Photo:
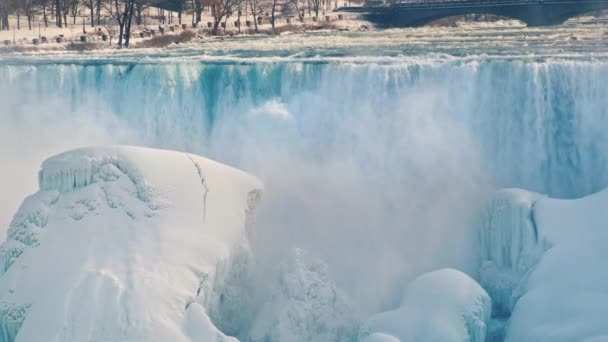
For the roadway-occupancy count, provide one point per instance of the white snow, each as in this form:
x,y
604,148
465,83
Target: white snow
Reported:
x,y
443,305
305,305
125,243
566,295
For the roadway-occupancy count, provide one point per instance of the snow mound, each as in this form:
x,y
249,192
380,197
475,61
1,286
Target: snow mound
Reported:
x,y
509,246
305,305
444,305
120,243
566,295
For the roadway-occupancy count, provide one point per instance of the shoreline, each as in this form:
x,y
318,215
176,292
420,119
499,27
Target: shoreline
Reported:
x,y
156,35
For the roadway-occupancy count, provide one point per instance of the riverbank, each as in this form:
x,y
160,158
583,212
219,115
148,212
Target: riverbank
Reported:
x,y
154,34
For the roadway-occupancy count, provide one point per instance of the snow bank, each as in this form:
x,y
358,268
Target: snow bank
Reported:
x,y
444,305
566,295
509,246
126,243
305,305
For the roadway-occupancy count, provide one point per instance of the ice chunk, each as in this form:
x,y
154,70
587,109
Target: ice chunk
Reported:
x,y
305,305
115,245
444,305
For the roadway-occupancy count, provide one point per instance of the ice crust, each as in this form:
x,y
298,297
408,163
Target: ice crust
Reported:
x,y
117,242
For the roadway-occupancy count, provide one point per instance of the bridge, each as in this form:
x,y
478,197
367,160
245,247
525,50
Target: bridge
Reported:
x,y
532,12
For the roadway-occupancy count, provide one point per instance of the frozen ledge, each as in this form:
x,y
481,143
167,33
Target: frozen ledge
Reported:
x,y
78,168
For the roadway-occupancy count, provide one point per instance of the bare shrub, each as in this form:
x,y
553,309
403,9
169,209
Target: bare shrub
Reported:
x,y
166,40
83,46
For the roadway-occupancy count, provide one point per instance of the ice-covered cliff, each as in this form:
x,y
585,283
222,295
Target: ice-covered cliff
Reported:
x,y
509,246
548,255
120,243
304,305
443,305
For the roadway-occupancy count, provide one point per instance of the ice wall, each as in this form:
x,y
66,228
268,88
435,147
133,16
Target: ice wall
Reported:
x,y
509,246
115,245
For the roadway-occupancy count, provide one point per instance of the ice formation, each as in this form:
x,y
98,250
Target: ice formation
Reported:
x,y
509,245
304,305
443,305
564,297
125,243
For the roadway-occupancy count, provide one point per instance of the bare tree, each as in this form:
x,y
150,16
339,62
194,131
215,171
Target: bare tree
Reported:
x,y
299,5
65,10
4,9
58,13
257,8
30,9
282,7
98,11
74,10
44,4
316,4
198,10
219,9
140,6
123,13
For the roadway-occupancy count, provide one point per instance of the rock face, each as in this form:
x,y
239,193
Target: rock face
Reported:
x,y
444,305
116,243
305,305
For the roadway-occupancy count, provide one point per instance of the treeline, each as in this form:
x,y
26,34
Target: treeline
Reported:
x,y
125,13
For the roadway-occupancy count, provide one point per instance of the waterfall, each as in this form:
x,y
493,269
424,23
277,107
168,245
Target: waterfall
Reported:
x,y
537,125
390,160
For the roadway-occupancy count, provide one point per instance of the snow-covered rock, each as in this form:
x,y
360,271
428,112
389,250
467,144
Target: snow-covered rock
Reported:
x,y
509,246
565,297
305,305
443,305
120,243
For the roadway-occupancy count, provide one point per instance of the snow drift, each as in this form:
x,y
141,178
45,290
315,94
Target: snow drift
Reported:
x,y
444,305
544,259
126,243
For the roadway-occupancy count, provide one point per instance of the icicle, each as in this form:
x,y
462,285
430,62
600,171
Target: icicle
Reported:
x,y
11,319
509,245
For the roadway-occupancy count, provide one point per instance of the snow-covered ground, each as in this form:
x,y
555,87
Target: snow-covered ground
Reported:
x,y
126,243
